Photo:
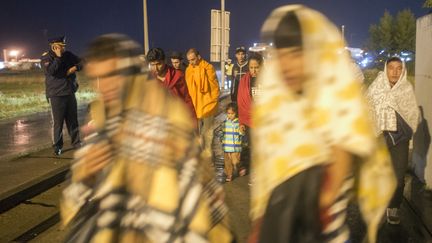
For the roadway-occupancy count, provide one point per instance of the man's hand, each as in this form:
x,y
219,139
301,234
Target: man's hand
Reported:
x,y
57,50
91,159
71,70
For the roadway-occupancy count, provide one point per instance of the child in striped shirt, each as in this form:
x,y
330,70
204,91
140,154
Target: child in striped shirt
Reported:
x,y
231,143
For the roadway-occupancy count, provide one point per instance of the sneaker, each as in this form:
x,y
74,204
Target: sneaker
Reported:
x,y
393,216
77,146
57,152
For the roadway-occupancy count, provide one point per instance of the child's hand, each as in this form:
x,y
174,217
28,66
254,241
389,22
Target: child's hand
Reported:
x,y
242,129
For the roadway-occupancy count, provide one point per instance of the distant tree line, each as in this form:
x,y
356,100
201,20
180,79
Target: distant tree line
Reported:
x,y
394,34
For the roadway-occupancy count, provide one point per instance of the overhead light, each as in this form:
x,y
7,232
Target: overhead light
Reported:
x,y
14,53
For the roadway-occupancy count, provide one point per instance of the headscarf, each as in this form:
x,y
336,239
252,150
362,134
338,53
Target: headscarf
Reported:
x,y
295,132
385,101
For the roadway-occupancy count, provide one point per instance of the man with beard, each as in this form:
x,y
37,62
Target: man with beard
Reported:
x,y
203,88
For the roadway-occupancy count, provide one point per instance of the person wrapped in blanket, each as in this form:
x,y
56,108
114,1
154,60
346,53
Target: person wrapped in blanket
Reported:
x,y
313,144
396,114
139,177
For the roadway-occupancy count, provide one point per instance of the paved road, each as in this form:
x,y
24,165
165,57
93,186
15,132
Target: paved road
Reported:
x,y
27,134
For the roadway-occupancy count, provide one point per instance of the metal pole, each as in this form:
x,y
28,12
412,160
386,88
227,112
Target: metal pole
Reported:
x,y
146,39
5,56
343,32
222,44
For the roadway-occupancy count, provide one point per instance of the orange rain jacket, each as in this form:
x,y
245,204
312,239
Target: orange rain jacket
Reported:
x,y
203,88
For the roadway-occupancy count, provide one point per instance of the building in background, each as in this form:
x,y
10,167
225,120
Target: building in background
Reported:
x,y
13,61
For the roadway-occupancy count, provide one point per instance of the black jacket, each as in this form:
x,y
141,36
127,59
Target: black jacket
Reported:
x,y
238,72
402,134
56,81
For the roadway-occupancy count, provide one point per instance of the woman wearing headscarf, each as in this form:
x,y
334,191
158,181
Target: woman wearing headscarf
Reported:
x,y
312,139
396,116
248,90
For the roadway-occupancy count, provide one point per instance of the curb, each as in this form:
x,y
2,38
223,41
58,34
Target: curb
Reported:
x,y
18,155
33,187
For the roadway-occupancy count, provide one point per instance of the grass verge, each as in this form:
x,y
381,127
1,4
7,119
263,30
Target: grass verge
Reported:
x,y
24,93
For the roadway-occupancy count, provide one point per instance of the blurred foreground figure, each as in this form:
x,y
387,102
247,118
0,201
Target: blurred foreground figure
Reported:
x,y
396,116
138,178
355,68
312,140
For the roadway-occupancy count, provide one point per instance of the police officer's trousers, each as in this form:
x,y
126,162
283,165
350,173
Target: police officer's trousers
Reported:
x,y
64,108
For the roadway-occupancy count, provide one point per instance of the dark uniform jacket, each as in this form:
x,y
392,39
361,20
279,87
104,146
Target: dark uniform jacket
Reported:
x,y
56,81
237,74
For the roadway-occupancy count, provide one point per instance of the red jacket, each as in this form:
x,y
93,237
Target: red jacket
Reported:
x,y
244,100
176,85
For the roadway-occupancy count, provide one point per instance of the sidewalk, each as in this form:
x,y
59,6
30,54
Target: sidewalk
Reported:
x,y
419,199
19,176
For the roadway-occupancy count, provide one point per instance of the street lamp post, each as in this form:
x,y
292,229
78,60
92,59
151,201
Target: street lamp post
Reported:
x,y
222,43
343,31
5,56
146,39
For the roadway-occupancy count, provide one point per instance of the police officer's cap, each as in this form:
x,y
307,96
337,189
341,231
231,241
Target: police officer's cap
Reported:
x,y
58,40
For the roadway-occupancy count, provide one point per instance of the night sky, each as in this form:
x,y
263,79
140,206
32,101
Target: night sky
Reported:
x,y
173,24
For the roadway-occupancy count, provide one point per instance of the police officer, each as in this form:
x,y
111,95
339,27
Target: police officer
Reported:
x,y
60,68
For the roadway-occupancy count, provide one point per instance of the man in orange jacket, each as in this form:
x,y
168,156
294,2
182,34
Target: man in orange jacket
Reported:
x,y
203,88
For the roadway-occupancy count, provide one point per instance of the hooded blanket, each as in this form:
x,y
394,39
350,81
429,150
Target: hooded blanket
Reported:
x,y
294,132
385,101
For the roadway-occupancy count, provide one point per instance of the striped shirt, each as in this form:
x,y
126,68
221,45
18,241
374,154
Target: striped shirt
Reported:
x,y
232,136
